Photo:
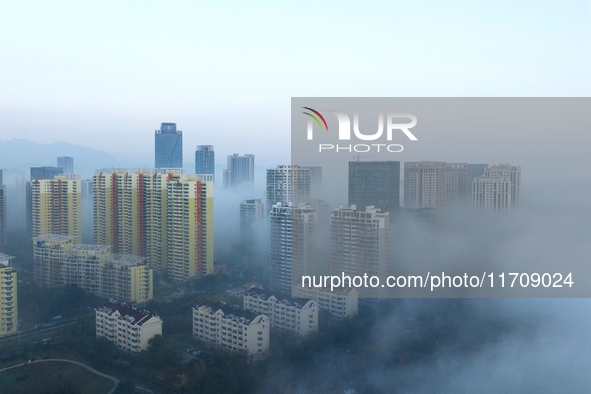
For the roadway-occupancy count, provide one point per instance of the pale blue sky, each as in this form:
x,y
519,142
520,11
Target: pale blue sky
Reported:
x,y
104,74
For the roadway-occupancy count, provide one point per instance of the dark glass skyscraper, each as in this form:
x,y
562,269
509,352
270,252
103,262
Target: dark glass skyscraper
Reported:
x,y
205,160
375,183
168,146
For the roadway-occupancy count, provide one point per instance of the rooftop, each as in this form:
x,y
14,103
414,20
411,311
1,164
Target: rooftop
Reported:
x,y
228,311
135,316
264,294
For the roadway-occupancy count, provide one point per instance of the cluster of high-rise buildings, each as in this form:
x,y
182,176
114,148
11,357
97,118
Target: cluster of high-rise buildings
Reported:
x,y
162,214
359,232
160,221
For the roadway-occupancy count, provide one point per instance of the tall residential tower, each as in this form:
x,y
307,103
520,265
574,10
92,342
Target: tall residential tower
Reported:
x,y
56,206
240,171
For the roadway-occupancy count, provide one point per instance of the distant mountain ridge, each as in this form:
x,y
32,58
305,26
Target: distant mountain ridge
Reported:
x,y
21,154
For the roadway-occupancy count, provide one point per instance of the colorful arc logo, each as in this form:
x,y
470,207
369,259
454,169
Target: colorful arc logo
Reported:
x,y
315,118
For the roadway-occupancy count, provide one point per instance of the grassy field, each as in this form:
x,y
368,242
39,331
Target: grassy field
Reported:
x,y
52,377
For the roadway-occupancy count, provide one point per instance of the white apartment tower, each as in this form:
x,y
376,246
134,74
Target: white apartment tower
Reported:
x,y
251,213
288,184
359,245
512,173
293,235
498,189
433,184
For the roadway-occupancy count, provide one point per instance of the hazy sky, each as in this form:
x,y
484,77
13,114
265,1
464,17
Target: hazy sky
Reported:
x,y
104,74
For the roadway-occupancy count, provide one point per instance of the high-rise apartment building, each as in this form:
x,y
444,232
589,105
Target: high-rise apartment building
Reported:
x,y
190,227
240,171
315,180
168,146
8,296
491,193
498,189
251,213
359,246
164,215
424,184
231,329
473,171
56,206
293,236
37,173
2,216
433,184
58,261
375,183
287,184
512,173
455,182
66,163
129,328
205,160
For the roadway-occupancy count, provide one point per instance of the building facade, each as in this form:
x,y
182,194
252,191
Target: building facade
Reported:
x,y
164,215
57,206
251,213
298,316
434,184
375,183
287,184
512,173
2,216
293,237
342,303
129,328
240,171
473,171
58,261
168,146
8,296
231,329
66,163
37,173
359,246
498,189
205,160
491,194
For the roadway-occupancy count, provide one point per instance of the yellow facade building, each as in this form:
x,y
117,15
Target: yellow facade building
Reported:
x,y
58,261
56,206
8,296
162,214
